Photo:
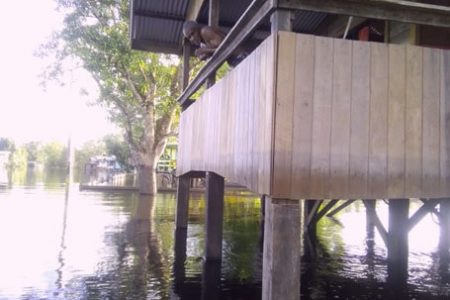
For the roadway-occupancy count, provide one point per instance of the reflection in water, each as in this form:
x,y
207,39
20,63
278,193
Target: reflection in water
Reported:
x,y
87,245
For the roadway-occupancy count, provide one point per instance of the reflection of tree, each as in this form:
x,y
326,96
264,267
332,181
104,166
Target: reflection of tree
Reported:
x,y
241,232
137,271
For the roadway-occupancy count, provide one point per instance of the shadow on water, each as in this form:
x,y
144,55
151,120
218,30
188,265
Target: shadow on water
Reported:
x,y
89,245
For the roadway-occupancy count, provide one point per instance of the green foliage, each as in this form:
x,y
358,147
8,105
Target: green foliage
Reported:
x,y
115,145
18,159
134,85
137,88
54,156
33,151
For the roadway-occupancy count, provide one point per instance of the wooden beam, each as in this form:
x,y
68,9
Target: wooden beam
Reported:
x,y
194,9
421,212
159,15
324,210
213,13
340,207
281,20
197,174
313,212
213,21
394,10
255,13
186,66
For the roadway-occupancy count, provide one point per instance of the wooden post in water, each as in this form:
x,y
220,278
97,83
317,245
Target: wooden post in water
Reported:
x,y
214,216
398,241
211,280
444,238
309,231
179,270
370,230
181,218
261,222
370,218
281,262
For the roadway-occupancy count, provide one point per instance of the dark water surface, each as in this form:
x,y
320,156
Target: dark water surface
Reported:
x,y
59,244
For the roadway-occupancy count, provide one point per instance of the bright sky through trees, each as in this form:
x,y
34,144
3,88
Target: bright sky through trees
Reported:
x,y
27,112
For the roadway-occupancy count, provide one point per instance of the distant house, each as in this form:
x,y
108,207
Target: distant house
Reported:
x,y
4,159
101,168
167,161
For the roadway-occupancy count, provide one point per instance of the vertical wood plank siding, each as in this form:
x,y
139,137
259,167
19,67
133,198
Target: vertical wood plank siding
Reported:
x,y
314,117
229,129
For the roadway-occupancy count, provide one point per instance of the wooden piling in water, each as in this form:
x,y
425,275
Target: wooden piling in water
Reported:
x,y
398,241
214,216
182,212
281,263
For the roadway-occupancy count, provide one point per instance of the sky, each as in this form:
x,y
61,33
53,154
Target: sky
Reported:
x,y
27,112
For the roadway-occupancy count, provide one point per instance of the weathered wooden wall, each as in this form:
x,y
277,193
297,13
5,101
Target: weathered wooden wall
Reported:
x,y
328,118
361,120
229,129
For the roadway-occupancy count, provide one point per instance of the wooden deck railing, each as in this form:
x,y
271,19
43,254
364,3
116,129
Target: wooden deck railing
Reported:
x,y
258,10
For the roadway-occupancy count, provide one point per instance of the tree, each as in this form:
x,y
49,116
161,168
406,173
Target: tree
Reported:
x,y
54,156
137,88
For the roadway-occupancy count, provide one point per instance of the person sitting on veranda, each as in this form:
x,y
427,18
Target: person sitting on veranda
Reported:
x,y
208,39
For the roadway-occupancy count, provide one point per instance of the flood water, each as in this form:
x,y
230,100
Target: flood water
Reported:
x,y
59,243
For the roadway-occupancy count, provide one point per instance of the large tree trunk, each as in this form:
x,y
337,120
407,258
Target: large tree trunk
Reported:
x,y
147,179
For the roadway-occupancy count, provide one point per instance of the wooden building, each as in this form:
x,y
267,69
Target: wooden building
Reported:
x,y
338,99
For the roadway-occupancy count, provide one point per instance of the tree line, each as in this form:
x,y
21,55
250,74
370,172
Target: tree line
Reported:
x,y
54,155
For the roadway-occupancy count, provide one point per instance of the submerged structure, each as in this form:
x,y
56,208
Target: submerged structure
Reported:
x,y
325,106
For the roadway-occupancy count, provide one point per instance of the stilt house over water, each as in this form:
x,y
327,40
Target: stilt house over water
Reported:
x,y
337,99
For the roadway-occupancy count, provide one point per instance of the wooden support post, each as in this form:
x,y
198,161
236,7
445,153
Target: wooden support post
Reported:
x,y
214,216
211,280
309,229
181,218
179,270
186,66
261,222
312,206
281,20
398,241
370,229
444,238
281,262
213,21
370,218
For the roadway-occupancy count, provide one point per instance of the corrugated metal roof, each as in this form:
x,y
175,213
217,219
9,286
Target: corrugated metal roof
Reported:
x,y
156,25
175,8
230,11
307,21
